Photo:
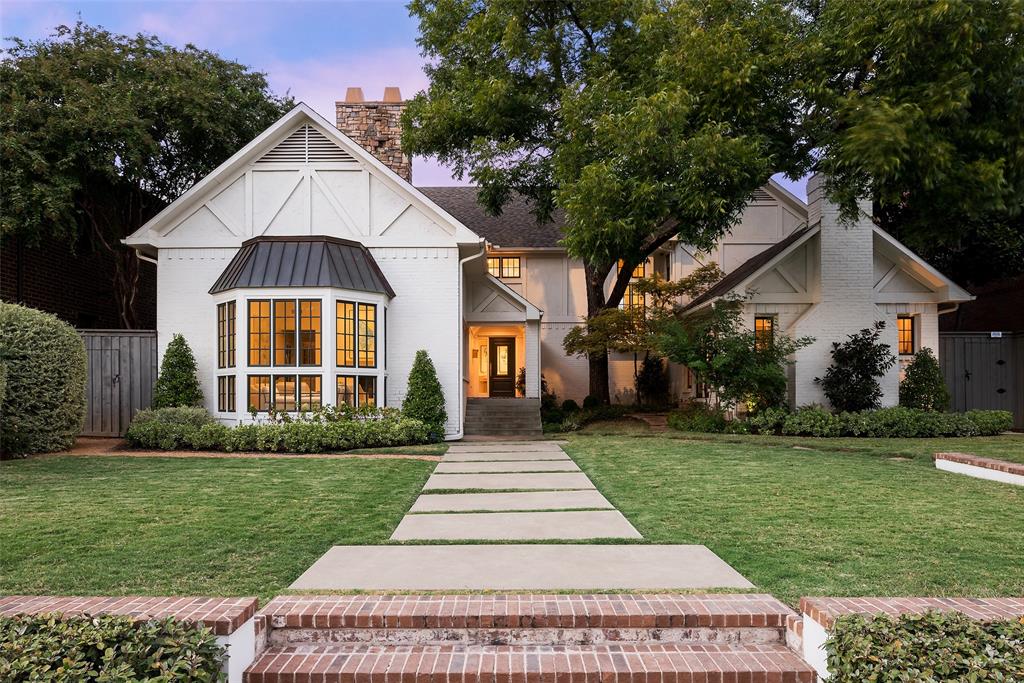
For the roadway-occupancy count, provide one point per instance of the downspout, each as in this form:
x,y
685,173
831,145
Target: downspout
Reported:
x,y
147,259
462,336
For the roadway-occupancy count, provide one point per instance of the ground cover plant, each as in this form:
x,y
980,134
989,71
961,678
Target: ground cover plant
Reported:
x,y
830,517
76,649
107,525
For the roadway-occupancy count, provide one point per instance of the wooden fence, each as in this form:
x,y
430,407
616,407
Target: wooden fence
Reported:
x,y
122,369
984,372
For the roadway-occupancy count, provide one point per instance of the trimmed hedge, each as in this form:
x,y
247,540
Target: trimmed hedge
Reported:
x,y
177,385
53,647
43,405
172,429
934,646
424,398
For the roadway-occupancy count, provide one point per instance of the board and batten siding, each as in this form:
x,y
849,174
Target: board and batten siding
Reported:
x,y
122,368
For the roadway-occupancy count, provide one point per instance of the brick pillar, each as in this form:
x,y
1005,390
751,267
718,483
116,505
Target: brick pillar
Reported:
x,y
376,126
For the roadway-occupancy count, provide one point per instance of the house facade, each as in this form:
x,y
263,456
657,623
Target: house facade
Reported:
x,y
308,269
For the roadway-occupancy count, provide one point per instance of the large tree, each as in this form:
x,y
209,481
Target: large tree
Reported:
x,y
920,106
99,131
643,120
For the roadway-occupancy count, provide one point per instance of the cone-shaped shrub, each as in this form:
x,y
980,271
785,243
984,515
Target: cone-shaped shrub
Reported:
x,y
177,385
424,399
43,398
923,385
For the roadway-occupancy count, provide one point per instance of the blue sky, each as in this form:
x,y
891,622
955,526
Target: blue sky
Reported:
x,y
314,49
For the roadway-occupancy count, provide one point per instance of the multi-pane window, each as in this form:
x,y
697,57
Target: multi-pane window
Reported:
x,y
259,393
259,332
503,266
346,391
367,391
764,332
226,335
309,392
367,337
905,335
309,332
226,394
346,333
284,332
284,393
632,298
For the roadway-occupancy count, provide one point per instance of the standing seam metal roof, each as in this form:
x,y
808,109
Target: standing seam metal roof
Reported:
x,y
303,262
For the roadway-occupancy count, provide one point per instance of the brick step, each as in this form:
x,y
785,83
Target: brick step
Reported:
x,y
623,663
524,619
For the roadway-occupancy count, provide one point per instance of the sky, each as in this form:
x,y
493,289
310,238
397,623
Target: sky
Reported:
x,y
312,49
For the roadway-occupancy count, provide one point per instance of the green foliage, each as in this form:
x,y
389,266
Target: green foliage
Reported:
x,y
100,131
576,421
570,406
177,385
768,421
591,401
916,105
934,646
923,385
990,422
190,429
424,399
70,649
811,421
652,382
698,417
850,383
721,351
43,403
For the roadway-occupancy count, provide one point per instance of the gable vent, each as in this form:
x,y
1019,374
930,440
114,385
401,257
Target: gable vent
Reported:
x,y
305,145
761,195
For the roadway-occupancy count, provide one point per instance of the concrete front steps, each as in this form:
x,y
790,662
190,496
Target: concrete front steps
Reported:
x,y
526,638
511,417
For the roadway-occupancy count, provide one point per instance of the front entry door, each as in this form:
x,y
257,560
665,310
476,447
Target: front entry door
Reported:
x,y
502,373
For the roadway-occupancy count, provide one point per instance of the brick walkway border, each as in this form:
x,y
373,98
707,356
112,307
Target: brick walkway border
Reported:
x,y
978,461
825,610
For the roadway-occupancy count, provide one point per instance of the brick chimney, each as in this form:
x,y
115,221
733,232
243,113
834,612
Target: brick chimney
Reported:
x,y
376,126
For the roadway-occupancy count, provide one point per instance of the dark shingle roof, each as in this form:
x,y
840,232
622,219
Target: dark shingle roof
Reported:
x,y
303,262
515,227
736,277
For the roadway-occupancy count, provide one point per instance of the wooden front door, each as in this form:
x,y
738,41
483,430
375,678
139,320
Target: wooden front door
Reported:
x,y
502,375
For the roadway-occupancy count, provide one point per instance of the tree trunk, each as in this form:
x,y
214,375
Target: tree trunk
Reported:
x,y
598,362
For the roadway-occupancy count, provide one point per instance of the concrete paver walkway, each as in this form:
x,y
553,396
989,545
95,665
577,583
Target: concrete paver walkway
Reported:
x,y
518,500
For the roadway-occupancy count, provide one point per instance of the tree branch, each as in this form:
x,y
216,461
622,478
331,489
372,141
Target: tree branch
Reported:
x,y
666,231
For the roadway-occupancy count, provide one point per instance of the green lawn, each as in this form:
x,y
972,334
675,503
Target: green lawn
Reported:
x,y
245,526
848,517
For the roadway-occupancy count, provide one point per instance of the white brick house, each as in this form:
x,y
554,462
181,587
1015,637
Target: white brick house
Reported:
x,y
305,270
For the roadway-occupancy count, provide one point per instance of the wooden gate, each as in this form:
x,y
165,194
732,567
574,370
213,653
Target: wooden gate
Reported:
x,y
122,369
984,372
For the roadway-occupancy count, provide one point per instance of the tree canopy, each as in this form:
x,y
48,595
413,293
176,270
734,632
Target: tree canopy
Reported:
x,y
100,131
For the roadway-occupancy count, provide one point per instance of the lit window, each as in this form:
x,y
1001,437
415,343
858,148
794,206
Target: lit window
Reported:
x,y
764,332
367,335
284,393
309,392
905,335
346,390
367,391
259,393
309,332
226,394
259,332
284,332
226,335
504,267
631,298
346,342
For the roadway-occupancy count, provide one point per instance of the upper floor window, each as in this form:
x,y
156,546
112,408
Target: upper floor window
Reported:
x,y
764,332
905,335
259,332
503,266
356,335
226,335
631,298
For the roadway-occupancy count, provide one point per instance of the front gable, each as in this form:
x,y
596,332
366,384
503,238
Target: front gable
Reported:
x,y
302,177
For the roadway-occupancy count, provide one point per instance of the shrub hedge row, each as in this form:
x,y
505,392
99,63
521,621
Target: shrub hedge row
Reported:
x,y
73,649
193,429
934,646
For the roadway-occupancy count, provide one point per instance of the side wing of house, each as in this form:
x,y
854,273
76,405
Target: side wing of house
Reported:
x,y
355,334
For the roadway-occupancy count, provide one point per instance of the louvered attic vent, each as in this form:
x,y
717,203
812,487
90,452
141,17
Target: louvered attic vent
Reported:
x,y
305,145
761,195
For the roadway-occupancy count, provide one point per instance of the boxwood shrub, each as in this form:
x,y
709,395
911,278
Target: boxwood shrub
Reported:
x,y
43,404
934,646
72,649
895,422
193,429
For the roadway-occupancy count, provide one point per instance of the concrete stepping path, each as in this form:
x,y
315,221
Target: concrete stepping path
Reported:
x,y
505,447
506,467
510,481
515,526
504,456
519,567
526,500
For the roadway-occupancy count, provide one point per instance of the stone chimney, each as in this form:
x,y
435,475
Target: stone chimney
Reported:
x,y
376,126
